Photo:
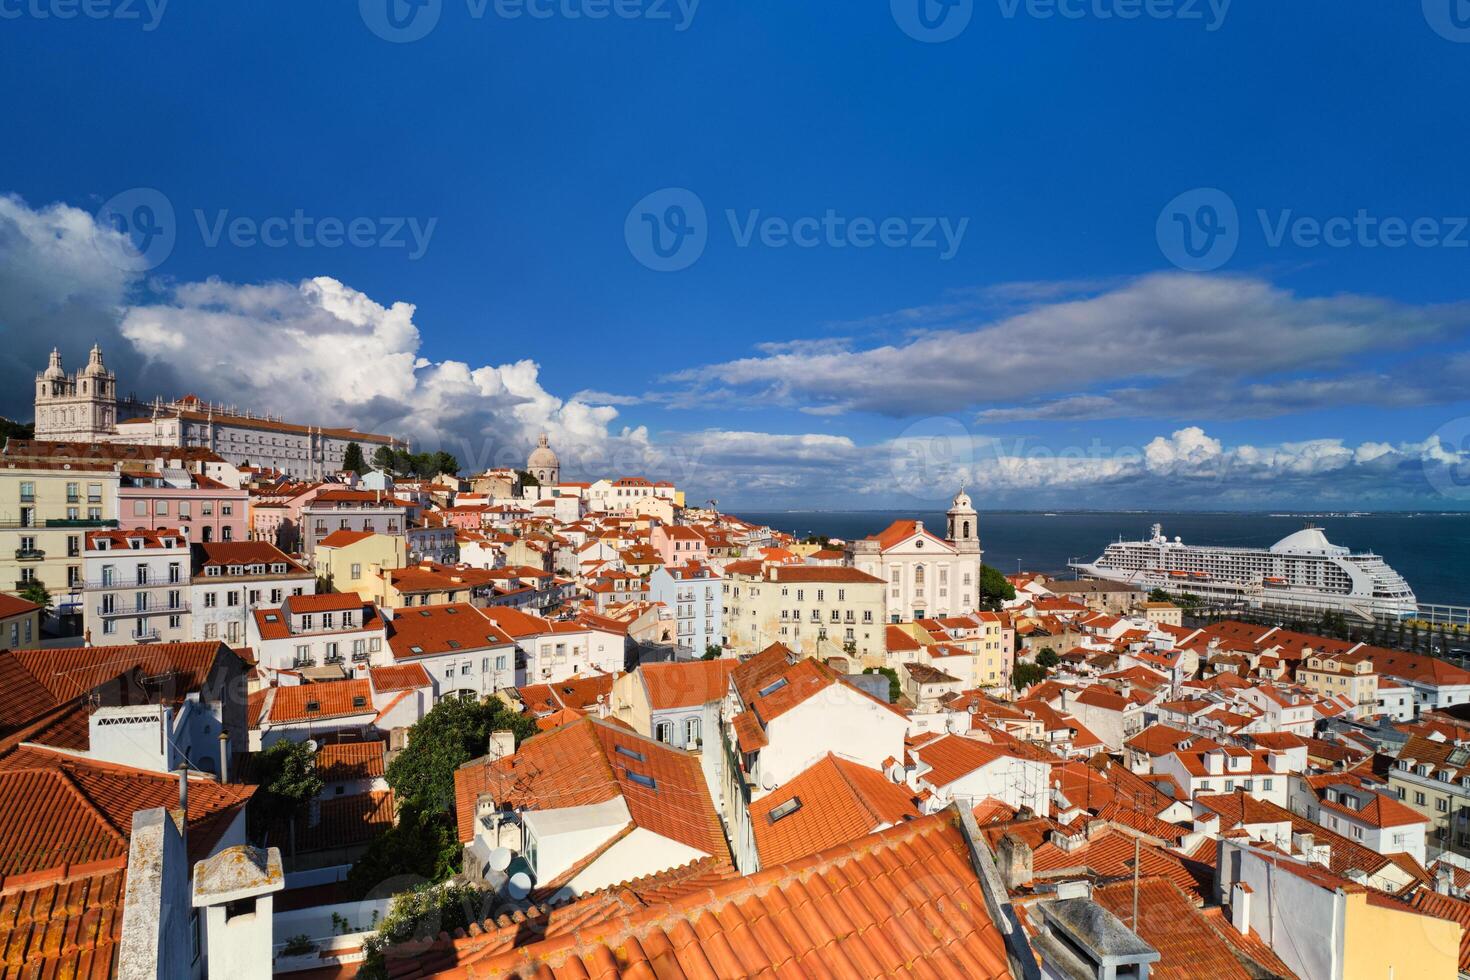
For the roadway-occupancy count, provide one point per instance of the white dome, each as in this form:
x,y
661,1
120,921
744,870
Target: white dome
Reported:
x,y
962,502
542,457
1307,541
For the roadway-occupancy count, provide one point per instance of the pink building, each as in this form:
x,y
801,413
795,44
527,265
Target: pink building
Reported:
x,y
678,545
202,508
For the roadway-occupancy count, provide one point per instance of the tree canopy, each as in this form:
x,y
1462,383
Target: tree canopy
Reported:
x,y
288,779
404,463
454,732
995,588
352,460
36,592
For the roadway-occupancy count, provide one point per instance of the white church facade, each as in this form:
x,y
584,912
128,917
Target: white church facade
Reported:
x,y
84,407
926,576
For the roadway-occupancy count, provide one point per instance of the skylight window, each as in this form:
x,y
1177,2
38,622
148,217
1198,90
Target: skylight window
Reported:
x,y
313,706
453,644
647,782
635,756
786,809
772,688
415,649
359,701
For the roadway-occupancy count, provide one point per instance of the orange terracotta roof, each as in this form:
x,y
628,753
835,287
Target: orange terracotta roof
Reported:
x,y
330,699
880,906
324,602
1171,923
834,801
344,538
422,631
399,677
685,684
954,756
11,605
58,811
65,929
346,761
592,761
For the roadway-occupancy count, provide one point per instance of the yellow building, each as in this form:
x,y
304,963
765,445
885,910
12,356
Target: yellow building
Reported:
x,y
815,610
1342,673
20,624
350,560
46,510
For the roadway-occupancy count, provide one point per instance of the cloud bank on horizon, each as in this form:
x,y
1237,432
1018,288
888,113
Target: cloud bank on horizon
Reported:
x,y
1178,350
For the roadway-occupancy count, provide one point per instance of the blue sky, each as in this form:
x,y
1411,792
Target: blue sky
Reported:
x,y
1057,357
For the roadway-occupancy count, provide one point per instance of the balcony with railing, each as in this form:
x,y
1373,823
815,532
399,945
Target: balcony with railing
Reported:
x,y
148,635
29,554
56,522
120,609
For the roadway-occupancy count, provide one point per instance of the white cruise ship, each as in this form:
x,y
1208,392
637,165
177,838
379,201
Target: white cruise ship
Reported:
x,y
1303,571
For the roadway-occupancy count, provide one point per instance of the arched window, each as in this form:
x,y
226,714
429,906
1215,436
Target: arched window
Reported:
x,y
966,533
918,574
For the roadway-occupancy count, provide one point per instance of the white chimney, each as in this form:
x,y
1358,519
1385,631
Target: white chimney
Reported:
x,y
1240,907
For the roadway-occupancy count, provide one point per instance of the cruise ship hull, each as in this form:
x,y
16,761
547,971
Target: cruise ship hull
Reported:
x,y
1303,572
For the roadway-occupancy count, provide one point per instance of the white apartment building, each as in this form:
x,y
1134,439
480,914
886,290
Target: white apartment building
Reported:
x,y
692,593
816,610
331,632
231,579
137,586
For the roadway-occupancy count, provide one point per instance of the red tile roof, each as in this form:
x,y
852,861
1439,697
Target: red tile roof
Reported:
x,y
837,800
423,631
58,811
686,684
329,699
350,761
65,929
344,538
905,902
15,606
954,756
400,677
1170,922
593,761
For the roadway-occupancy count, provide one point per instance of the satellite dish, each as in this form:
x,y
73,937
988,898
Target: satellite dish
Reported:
x,y
896,772
519,886
311,745
500,858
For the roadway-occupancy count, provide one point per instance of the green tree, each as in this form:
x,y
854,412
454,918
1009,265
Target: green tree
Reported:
x,y
1159,595
421,915
1048,658
527,480
994,588
454,732
420,845
713,651
36,592
1024,675
288,780
16,430
382,458
352,460
895,689
445,463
